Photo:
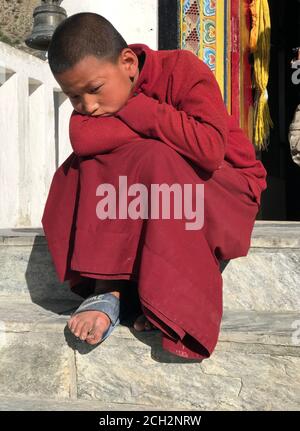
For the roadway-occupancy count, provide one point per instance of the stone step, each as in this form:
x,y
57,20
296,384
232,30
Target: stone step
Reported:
x,y
27,271
255,366
38,404
267,279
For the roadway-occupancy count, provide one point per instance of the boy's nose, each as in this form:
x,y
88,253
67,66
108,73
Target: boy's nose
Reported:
x,y
89,105
90,109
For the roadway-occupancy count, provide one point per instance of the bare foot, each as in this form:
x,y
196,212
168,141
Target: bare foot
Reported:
x,y
143,324
90,326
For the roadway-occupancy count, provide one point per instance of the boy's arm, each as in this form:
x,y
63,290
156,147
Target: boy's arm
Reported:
x,y
95,135
197,127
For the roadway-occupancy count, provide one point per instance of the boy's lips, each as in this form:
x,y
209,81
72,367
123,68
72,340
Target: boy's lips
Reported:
x,y
101,115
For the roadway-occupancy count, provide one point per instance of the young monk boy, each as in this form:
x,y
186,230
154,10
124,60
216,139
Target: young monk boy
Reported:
x,y
144,119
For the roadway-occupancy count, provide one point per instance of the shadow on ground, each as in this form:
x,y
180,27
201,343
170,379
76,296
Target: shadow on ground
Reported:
x,y
42,282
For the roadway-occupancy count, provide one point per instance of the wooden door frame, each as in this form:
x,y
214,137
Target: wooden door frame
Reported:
x,y
168,24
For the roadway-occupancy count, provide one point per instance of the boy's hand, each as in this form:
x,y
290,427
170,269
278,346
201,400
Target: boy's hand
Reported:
x,y
138,111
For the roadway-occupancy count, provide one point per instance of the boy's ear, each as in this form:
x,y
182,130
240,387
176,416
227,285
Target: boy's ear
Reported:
x,y
129,60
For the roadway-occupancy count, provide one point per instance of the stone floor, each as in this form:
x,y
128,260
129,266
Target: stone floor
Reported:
x,y
255,366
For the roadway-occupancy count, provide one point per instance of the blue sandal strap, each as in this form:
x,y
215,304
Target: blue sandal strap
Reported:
x,y
109,330
106,303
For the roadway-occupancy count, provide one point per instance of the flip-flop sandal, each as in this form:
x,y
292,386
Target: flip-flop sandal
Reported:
x,y
106,303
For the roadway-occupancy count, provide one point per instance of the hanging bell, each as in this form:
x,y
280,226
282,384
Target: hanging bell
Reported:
x,y
46,19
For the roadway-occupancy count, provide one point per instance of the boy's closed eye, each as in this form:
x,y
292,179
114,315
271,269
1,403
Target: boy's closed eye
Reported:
x,y
92,91
95,89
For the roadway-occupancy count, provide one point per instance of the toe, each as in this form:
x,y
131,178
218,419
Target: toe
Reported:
x,y
84,331
99,328
72,324
139,324
142,324
77,327
148,325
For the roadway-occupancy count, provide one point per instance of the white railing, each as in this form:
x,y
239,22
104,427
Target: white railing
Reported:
x,y
34,114
34,137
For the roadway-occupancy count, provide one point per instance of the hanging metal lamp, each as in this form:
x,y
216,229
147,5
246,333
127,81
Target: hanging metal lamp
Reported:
x,y
46,19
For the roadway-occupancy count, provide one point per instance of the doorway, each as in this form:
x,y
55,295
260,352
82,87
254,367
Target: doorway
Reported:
x,y
281,200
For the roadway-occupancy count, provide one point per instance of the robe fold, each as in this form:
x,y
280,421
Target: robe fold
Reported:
x,y
174,129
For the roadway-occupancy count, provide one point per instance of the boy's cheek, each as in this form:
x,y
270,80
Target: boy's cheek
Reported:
x,y
120,107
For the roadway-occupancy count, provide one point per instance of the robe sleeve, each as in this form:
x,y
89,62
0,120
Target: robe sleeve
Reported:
x,y
195,124
93,135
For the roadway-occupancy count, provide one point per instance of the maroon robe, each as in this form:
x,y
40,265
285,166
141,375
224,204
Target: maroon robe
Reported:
x,y
174,129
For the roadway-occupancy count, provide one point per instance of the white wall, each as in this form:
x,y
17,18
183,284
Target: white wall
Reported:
x,y
27,137
136,20
34,113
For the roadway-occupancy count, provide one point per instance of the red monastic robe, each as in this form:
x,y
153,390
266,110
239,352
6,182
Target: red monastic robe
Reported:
x,y
174,129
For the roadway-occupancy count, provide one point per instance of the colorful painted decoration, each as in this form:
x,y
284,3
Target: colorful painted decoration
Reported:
x,y
218,33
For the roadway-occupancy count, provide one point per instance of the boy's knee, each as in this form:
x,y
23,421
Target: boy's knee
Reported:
x,y
157,157
158,152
